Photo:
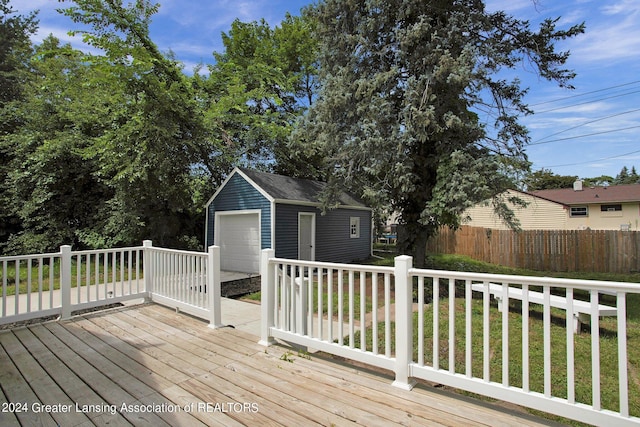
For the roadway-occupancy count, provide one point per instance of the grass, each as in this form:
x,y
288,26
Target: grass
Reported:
x,y
31,275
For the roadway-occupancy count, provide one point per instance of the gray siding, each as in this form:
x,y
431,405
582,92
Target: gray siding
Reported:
x,y
238,194
333,243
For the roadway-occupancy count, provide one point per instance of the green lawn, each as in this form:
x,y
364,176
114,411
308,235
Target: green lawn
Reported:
x,y
29,276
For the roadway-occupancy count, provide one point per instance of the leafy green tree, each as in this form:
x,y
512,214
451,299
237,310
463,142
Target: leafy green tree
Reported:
x,y
403,85
15,54
52,186
155,134
545,179
253,94
599,180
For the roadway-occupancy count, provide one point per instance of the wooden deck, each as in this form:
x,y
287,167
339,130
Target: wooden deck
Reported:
x,y
147,365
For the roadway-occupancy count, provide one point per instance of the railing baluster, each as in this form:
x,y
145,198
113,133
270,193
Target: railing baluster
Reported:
x,y
468,301
320,304
374,312
436,323
387,314
4,288
363,311
486,350
40,283
595,351
525,337
341,306
452,326
105,273
308,286
88,277
421,334
351,310
571,387
623,380
17,286
52,261
28,264
547,340
505,335
330,305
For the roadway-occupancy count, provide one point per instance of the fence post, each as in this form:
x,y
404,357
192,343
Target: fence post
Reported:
x,y
267,290
213,287
147,268
65,281
404,321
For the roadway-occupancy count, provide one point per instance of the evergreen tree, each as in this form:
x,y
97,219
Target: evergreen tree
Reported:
x,y
402,85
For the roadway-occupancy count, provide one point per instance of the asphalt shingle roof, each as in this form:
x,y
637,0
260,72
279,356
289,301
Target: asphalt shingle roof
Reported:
x,y
610,194
282,187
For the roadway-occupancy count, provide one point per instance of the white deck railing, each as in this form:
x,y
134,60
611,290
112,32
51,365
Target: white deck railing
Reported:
x,y
188,281
57,284
363,312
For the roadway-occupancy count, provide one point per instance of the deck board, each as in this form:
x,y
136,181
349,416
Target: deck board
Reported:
x,y
149,354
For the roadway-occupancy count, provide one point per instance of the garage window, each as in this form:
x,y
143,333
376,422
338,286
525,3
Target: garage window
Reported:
x,y
354,227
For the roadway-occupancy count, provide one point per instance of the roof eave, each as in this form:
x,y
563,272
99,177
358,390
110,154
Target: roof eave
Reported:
x,y
318,205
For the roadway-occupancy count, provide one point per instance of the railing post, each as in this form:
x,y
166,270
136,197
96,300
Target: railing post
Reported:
x,y
404,321
267,290
65,281
147,268
213,287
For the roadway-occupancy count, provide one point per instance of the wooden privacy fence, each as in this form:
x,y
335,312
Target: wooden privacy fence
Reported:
x,y
602,251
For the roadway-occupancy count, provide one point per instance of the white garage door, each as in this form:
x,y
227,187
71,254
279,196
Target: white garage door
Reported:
x,y
238,236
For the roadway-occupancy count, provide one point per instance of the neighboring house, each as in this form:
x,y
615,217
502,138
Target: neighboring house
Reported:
x,y
256,210
540,214
615,207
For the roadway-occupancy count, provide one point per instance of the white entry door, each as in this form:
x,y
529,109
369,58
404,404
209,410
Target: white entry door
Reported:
x,y
306,236
238,236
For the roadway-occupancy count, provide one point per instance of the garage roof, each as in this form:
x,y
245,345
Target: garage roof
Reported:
x,y
286,189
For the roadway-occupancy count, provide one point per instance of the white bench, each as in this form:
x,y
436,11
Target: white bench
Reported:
x,y
581,309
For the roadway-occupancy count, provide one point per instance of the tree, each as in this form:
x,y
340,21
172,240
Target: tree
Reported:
x,y
403,86
254,93
626,177
545,179
52,189
155,134
15,53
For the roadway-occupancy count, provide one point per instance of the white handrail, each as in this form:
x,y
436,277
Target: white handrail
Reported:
x,y
181,279
291,289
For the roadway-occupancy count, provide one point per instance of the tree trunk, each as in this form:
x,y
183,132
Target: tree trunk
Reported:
x,y
412,240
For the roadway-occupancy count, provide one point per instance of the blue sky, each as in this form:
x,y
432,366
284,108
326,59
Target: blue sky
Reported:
x,y
588,132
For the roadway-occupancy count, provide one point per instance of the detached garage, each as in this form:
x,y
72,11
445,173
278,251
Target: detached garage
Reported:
x,y
255,210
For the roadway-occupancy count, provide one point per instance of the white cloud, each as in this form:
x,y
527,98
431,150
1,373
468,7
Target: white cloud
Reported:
x,y
612,34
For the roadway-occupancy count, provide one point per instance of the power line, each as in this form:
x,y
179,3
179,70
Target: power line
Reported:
x,y
585,135
584,94
593,160
542,140
587,102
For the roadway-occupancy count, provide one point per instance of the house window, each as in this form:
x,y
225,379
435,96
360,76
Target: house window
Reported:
x,y
354,227
610,208
578,211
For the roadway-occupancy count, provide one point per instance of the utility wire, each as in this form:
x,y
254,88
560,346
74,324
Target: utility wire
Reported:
x,y
542,140
593,160
586,93
587,102
585,135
